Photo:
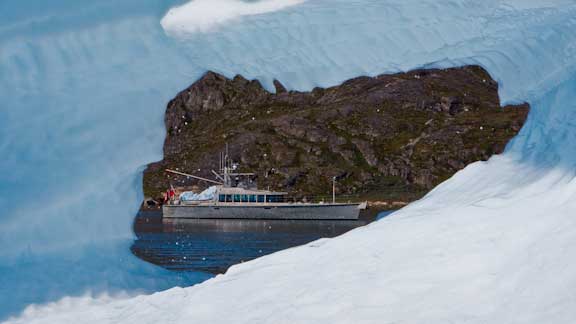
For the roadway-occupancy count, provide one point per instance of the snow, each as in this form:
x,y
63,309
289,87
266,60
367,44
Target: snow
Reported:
x,y
207,194
83,98
207,15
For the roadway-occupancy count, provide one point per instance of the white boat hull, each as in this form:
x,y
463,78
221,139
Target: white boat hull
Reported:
x,y
283,211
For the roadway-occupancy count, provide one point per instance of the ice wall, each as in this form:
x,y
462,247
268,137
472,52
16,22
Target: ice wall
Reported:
x,y
83,88
82,104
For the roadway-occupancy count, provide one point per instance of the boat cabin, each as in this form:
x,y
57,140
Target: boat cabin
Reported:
x,y
241,195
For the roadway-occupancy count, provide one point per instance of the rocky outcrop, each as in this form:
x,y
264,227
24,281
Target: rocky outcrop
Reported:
x,y
391,136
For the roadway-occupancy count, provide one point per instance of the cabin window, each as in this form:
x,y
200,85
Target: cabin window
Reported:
x,y
222,198
252,198
228,198
260,198
236,198
274,198
244,198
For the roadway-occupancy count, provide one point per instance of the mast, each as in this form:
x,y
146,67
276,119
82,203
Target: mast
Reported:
x,y
227,170
227,182
333,190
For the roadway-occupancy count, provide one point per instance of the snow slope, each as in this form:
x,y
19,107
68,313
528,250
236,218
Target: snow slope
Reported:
x,y
492,244
207,15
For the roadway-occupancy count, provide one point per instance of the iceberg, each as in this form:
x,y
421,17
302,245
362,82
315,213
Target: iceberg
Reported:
x,y
81,113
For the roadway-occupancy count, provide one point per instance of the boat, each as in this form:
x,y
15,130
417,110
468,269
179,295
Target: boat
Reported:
x,y
230,198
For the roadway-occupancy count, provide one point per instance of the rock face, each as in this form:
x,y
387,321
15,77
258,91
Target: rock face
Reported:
x,y
387,137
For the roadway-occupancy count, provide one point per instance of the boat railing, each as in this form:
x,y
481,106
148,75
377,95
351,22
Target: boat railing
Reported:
x,y
323,199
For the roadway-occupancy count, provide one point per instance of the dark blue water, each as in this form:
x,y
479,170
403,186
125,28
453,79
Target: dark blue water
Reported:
x,y
214,245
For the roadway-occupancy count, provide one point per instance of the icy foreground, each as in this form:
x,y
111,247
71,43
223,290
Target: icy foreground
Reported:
x,y
495,244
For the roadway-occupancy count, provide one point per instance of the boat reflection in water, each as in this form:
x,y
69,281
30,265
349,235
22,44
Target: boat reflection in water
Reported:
x,y
213,245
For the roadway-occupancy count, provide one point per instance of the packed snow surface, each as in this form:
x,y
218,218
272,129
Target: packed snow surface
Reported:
x,y
206,15
84,90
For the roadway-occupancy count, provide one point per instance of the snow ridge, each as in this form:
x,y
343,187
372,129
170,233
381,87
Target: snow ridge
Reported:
x,y
206,15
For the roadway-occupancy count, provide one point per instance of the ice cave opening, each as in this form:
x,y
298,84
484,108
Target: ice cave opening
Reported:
x,y
84,90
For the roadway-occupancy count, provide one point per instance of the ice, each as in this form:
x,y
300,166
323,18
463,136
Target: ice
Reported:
x,y
83,94
206,15
81,113
207,194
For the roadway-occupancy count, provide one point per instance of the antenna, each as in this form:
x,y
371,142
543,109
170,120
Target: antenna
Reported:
x,y
227,182
333,190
